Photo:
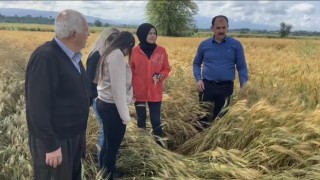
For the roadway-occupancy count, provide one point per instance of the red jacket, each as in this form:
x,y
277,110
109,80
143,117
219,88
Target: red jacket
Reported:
x,y
143,70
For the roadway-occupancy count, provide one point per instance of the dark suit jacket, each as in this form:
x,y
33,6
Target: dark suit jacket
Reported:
x,y
57,96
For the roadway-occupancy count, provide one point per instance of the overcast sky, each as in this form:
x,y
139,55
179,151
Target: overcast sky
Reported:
x,y
303,15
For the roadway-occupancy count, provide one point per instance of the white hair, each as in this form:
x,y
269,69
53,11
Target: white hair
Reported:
x,y
67,22
105,37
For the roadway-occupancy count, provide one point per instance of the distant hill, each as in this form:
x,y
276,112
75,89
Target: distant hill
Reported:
x,y
48,14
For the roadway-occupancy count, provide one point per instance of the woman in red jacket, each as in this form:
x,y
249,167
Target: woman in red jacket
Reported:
x,y
150,67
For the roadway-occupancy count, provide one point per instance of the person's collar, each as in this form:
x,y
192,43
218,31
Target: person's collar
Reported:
x,y
67,50
224,40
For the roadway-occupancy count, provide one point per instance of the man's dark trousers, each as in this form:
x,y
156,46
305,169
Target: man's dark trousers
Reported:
x,y
72,149
218,92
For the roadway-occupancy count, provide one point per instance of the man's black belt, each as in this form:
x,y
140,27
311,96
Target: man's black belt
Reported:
x,y
219,83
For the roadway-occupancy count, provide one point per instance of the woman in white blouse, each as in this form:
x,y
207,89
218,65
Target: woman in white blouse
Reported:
x,y
114,94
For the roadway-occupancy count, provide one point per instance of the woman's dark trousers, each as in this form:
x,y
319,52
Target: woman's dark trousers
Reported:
x,y
154,111
114,131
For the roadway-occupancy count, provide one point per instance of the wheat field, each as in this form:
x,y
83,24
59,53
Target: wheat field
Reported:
x,y
273,134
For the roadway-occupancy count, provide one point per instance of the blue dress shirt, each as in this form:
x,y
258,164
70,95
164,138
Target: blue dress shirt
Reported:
x,y
74,57
219,61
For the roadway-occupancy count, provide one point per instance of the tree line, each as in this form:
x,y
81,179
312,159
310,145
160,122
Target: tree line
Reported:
x,y
26,19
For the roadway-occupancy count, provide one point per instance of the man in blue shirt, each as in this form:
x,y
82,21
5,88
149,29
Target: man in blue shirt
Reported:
x,y
214,67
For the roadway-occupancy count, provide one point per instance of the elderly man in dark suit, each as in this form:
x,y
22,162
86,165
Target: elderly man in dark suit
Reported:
x,y
57,100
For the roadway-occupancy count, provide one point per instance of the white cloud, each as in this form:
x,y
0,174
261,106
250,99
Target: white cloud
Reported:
x,y
302,8
263,2
275,10
266,12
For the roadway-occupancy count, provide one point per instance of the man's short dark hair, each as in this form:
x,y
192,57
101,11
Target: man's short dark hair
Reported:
x,y
219,16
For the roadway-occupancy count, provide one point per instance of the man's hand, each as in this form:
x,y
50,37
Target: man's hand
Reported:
x,y
200,86
243,93
54,158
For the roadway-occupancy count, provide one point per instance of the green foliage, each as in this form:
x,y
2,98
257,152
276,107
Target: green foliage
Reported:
x,y
98,23
106,24
244,31
172,18
285,29
26,19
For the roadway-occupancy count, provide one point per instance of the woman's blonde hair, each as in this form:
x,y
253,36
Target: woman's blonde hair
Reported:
x,y
106,37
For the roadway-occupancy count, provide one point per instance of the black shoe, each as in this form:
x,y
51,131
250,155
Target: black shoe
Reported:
x,y
118,174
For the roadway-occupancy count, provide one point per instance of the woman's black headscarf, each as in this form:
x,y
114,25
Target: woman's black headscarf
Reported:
x,y
142,33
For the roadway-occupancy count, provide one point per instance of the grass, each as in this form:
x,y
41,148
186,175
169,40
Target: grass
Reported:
x,y
274,134
44,27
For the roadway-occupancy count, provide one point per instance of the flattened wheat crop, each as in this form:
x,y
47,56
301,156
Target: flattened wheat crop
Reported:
x,y
274,134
